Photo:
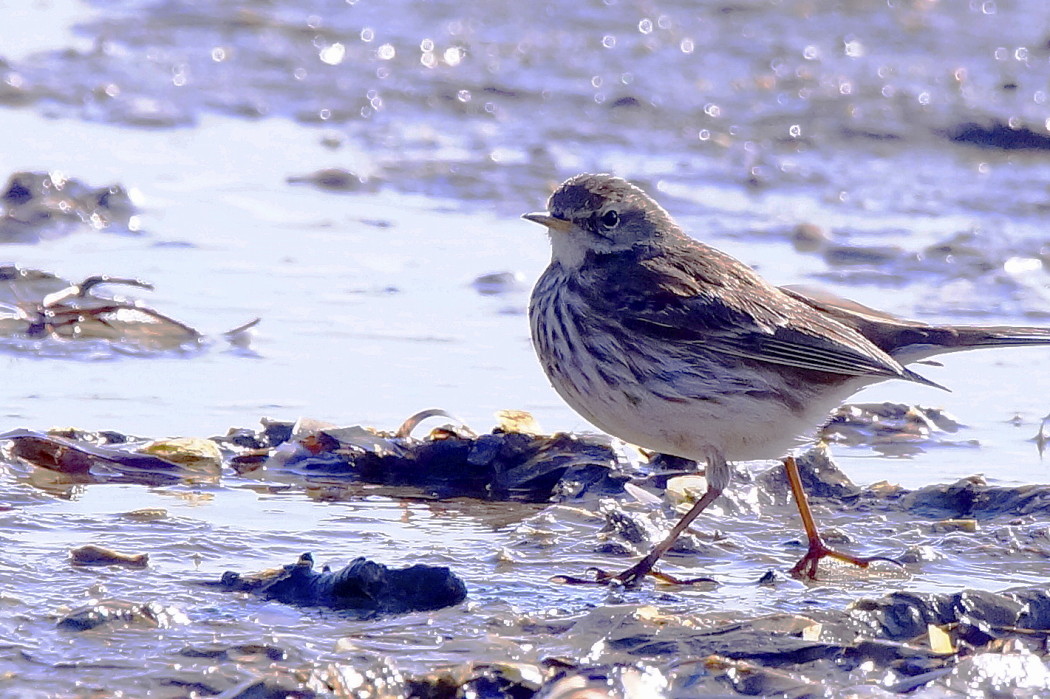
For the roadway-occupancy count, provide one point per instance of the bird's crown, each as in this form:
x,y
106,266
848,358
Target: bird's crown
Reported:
x,y
583,195
611,209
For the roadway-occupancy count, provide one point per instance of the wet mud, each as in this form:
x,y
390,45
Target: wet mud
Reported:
x,y
668,640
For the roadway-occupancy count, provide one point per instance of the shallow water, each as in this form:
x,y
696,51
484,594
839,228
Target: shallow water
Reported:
x,y
744,121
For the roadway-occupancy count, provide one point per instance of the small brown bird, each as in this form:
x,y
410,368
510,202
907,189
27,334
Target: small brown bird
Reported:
x,y
669,344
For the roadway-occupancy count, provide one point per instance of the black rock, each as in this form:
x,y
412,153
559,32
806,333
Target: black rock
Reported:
x,y
999,135
364,587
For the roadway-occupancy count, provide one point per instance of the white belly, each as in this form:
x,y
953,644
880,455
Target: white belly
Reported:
x,y
738,427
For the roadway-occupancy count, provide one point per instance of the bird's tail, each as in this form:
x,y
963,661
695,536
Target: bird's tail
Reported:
x,y
911,341
917,343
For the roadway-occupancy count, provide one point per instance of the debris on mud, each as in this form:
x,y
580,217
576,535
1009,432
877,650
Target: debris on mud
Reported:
x,y
507,463
79,457
449,461
892,428
108,613
104,457
43,314
37,206
515,461
363,587
92,555
334,179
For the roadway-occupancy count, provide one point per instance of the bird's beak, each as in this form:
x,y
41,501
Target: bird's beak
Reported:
x,y
545,219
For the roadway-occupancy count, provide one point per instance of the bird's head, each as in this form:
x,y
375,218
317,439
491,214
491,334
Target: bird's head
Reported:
x,y
600,214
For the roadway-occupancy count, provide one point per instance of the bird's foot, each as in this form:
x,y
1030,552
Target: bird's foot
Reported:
x,y
628,578
807,567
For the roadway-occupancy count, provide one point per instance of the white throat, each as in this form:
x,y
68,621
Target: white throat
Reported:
x,y
566,249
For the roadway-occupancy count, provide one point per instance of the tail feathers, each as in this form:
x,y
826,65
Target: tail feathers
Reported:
x,y
911,341
1004,336
919,342
919,378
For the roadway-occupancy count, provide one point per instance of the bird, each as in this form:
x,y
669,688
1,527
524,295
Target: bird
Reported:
x,y
669,344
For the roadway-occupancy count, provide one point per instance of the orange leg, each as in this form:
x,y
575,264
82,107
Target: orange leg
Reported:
x,y
718,474
807,567
633,575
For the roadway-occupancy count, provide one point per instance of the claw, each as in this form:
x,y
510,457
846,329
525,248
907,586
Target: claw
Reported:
x,y
601,577
572,580
627,578
672,580
806,568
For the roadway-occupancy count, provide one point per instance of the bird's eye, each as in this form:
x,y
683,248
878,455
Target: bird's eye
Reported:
x,y
610,219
